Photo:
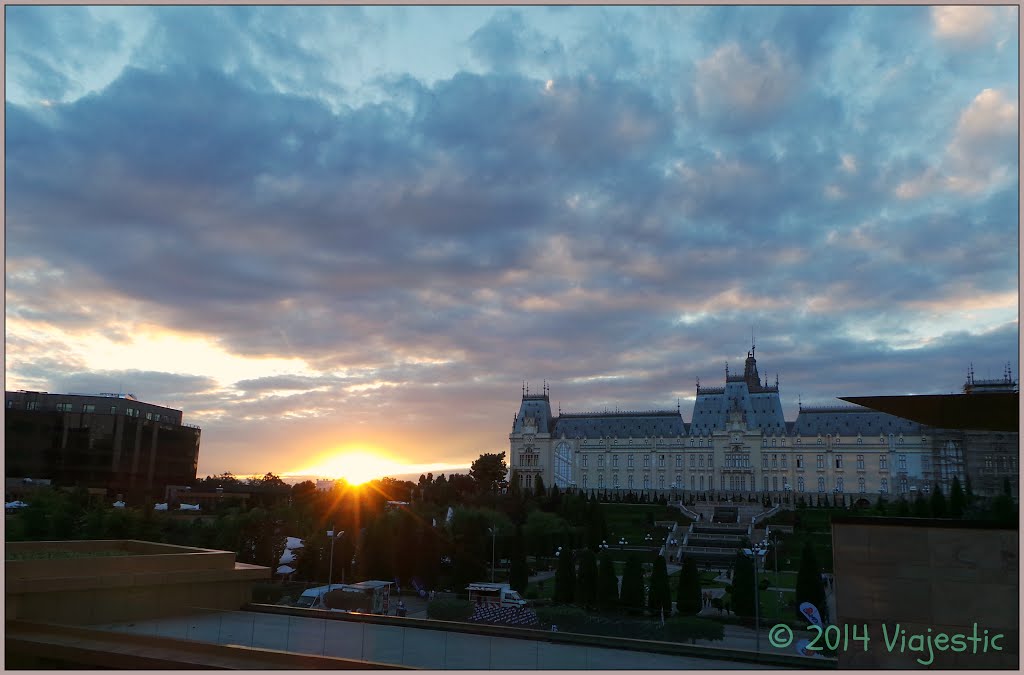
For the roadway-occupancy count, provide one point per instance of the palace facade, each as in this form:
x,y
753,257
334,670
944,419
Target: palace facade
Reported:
x,y
736,442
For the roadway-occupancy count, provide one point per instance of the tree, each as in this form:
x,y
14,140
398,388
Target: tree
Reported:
x,y
688,597
538,486
938,502
488,472
587,582
921,507
809,586
957,499
632,596
608,583
902,507
565,577
743,585
518,574
968,492
660,597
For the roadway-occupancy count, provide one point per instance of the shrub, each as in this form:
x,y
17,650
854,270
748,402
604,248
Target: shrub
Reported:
x,y
692,628
564,616
444,609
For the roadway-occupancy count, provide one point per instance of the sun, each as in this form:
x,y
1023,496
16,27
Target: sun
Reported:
x,y
355,466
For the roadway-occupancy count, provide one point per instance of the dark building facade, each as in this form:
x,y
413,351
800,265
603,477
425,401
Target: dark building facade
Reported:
x,y
111,441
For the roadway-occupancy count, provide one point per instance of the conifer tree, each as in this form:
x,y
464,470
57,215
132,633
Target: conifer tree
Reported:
x,y
518,574
688,597
608,583
586,582
921,507
938,502
743,585
632,596
660,597
809,586
565,577
957,500
538,486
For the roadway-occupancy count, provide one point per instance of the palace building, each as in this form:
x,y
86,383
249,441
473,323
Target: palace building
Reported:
x,y
736,442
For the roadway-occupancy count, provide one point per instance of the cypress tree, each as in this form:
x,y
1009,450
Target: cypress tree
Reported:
x,y
921,507
968,492
957,500
632,596
938,502
809,586
743,585
586,583
688,597
538,486
518,573
565,577
608,583
902,507
660,597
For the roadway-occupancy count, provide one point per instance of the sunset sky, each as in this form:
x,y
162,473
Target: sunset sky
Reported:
x,y
325,230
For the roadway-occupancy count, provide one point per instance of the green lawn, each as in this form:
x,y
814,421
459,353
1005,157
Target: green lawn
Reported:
x,y
771,608
784,580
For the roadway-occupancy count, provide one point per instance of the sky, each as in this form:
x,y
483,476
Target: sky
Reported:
x,y
324,231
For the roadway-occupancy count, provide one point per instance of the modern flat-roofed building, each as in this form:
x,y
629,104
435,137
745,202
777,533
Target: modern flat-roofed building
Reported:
x,y
112,441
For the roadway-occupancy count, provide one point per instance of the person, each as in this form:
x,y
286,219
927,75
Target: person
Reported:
x,y
400,610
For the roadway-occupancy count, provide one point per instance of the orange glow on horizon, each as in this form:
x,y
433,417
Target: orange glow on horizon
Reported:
x,y
359,465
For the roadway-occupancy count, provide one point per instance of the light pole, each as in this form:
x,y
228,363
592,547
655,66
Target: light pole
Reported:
x,y
756,553
494,532
330,571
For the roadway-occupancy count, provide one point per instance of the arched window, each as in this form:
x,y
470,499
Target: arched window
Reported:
x,y
821,483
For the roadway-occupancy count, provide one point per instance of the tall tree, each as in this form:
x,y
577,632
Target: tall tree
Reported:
x,y
608,583
921,507
586,583
488,472
743,593
632,596
809,586
938,502
538,486
660,596
688,598
565,576
957,500
518,573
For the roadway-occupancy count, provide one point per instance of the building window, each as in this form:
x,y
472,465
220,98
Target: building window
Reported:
x,y
784,462
600,461
88,408
711,460
583,461
647,482
679,480
764,442
903,462
775,483
821,461
691,442
860,441
884,489
661,482
647,461
600,480
799,441
773,442
529,480
782,442
883,462
839,461
615,461
820,441
775,461
903,486
113,410
32,405
701,482
838,440
800,463
692,460
861,485
629,481
860,462
901,440
615,481
821,483
64,407
629,461
839,484
800,483
584,481
700,461
764,461
661,461
679,461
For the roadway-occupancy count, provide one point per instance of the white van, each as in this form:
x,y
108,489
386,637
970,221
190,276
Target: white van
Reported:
x,y
313,598
495,594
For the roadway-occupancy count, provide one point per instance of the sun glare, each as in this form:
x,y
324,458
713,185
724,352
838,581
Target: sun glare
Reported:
x,y
355,466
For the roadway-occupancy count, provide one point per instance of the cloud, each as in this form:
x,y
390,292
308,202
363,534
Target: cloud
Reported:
x,y
737,90
506,43
963,25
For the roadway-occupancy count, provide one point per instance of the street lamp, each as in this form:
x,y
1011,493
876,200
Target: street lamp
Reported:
x,y
757,553
330,571
494,532
603,546
622,542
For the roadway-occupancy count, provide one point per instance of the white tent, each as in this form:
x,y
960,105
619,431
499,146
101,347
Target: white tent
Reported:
x,y
118,505
285,569
189,507
287,557
293,543
16,505
160,507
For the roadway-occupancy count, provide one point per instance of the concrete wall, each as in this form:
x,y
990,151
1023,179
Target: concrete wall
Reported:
x,y
921,574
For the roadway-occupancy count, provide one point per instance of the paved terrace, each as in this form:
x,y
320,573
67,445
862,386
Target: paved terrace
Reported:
x,y
438,645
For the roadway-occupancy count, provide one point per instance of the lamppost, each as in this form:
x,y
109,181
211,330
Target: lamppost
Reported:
x,y
622,542
756,553
330,571
603,546
494,534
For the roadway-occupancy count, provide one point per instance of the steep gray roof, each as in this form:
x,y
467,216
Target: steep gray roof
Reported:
x,y
620,425
763,410
537,407
849,421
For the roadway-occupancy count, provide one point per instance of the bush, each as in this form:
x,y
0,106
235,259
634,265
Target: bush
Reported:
x,y
267,593
444,609
563,616
692,628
